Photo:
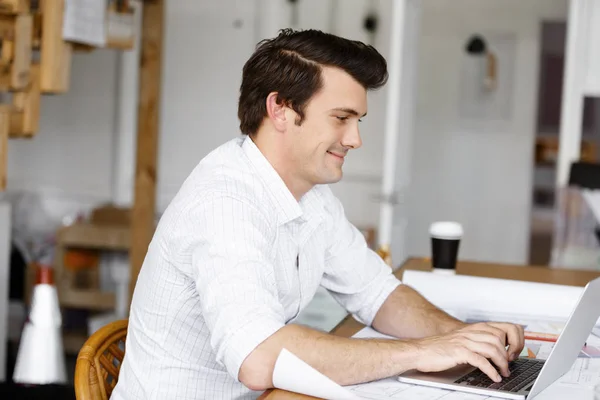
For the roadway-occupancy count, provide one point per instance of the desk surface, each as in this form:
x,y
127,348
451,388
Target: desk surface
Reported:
x,y
349,326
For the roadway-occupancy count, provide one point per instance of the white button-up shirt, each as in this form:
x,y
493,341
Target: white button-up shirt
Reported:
x,y
234,258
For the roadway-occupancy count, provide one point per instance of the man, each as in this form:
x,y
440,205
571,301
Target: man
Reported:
x,y
255,230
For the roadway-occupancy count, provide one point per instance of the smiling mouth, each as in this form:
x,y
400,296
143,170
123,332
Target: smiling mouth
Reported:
x,y
341,157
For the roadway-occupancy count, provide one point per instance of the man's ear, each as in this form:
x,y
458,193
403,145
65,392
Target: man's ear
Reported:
x,y
276,111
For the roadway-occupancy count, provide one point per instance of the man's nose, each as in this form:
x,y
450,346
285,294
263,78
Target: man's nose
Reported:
x,y
352,138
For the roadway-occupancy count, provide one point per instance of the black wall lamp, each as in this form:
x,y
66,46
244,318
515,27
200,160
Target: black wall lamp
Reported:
x,y
478,47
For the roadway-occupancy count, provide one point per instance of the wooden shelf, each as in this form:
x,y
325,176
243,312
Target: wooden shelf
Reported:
x,y
87,299
546,151
93,236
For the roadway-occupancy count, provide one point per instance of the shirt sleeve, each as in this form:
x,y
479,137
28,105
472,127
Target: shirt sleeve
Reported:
x,y
234,277
355,275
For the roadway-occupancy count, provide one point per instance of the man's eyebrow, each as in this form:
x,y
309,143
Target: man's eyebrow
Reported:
x,y
349,111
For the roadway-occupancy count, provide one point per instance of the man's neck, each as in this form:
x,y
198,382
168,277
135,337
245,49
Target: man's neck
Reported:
x,y
270,148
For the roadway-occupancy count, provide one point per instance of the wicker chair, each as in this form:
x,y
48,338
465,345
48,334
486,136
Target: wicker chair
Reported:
x,y
99,362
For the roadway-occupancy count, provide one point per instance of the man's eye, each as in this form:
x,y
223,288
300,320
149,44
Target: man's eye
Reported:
x,y
342,118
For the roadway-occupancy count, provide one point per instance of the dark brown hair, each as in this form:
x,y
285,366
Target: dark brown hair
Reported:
x,y
290,64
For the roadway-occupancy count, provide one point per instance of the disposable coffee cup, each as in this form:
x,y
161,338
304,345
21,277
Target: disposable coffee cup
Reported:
x,y
445,242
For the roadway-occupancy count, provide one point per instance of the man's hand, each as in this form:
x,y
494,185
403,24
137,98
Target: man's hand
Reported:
x,y
474,344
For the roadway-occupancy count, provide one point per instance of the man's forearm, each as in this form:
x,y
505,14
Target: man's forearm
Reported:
x,y
345,361
407,314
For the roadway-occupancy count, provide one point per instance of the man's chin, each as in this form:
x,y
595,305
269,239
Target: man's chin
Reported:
x,y
332,178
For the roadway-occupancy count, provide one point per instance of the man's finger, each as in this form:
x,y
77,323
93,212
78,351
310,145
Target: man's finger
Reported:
x,y
515,336
495,330
483,364
490,351
486,337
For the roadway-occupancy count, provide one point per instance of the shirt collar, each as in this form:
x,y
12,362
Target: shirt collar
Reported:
x,y
288,208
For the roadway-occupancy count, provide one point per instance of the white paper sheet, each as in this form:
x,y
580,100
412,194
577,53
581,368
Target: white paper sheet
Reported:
x,y
294,375
85,22
459,293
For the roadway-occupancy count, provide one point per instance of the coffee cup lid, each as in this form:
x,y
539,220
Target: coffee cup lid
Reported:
x,y
446,230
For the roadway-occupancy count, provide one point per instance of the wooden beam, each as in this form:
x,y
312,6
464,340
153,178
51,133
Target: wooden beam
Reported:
x,y
120,24
55,52
21,62
14,6
7,27
7,35
25,121
15,56
36,33
143,213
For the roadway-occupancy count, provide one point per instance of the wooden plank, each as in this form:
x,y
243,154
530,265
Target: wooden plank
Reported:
x,y
143,211
284,395
92,236
7,35
25,121
36,32
539,274
120,27
8,46
4,131
6,56
55,52
87,299
5,79
7,27
21,62
14,6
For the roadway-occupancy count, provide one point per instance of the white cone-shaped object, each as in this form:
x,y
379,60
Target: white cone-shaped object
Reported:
x,y
41,358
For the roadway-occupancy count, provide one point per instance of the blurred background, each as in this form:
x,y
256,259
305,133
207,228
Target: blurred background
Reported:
x,y
489,104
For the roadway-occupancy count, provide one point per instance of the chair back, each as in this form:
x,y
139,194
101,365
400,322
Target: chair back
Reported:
x,y
99,362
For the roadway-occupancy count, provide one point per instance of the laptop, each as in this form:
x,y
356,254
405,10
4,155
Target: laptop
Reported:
x,y
528,376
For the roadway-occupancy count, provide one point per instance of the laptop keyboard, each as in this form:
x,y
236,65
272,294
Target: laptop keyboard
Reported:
x,y
522,373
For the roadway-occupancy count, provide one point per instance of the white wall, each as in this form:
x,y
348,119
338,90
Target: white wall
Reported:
x,y
71,155
206,45
480,176
203,59
592,84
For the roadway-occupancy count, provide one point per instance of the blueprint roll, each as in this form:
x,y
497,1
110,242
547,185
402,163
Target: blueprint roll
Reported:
x,y
445,242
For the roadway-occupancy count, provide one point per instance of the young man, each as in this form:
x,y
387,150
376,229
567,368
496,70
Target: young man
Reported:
x,y
255,230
